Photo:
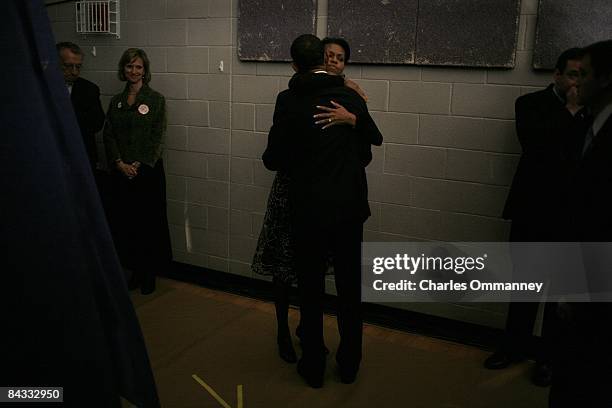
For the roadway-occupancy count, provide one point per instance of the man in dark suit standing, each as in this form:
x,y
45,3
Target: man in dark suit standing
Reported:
x,y
85,97
583,364
549,125
593,176
328,196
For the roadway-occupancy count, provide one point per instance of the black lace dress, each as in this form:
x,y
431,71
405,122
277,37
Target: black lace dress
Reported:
x,y
274,252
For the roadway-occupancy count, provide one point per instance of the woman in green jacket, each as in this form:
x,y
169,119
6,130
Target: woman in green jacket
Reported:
x,y
134,135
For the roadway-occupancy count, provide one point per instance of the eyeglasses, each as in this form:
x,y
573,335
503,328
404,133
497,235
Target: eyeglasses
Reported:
x,y
72,66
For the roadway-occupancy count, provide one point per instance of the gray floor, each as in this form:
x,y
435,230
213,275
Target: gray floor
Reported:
x,y
228,341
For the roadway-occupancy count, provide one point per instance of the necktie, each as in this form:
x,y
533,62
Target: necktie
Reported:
x,y
588,140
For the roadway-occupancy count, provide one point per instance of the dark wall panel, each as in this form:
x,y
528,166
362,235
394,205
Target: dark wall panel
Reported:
x,y
381,32
563,24
266,28
472,33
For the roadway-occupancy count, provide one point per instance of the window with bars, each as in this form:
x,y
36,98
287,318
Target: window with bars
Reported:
x,y
97,17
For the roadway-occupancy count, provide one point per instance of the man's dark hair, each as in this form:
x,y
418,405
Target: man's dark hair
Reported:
x,y
571,54
601,57
307,52
70,45
342,43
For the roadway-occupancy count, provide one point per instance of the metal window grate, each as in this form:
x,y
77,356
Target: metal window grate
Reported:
x,y
97,17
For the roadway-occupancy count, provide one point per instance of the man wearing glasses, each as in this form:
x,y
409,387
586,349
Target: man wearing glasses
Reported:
x,y
550,125
85,97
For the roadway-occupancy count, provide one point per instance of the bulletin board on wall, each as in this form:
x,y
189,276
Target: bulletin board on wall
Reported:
x,y
564,24
266,28
468,33
465,33
378,32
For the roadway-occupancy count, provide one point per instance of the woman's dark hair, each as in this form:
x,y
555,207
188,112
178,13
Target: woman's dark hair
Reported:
x,y
128,56
341,42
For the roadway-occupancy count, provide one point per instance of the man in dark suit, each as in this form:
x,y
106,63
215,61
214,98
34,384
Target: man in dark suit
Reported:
x,y
85,97
323,154
583,364
549,125
593,176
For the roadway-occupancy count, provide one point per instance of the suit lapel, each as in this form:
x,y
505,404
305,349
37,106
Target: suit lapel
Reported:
x,y
604,133
600,139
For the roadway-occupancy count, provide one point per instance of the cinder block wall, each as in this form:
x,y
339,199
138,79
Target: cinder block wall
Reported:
x,y
442,174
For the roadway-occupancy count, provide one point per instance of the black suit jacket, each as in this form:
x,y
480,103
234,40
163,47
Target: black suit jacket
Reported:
x,y
328,181
592,190
85,99
550,137
591,333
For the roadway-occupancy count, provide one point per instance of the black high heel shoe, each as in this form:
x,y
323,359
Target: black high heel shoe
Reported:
x,y
285,348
